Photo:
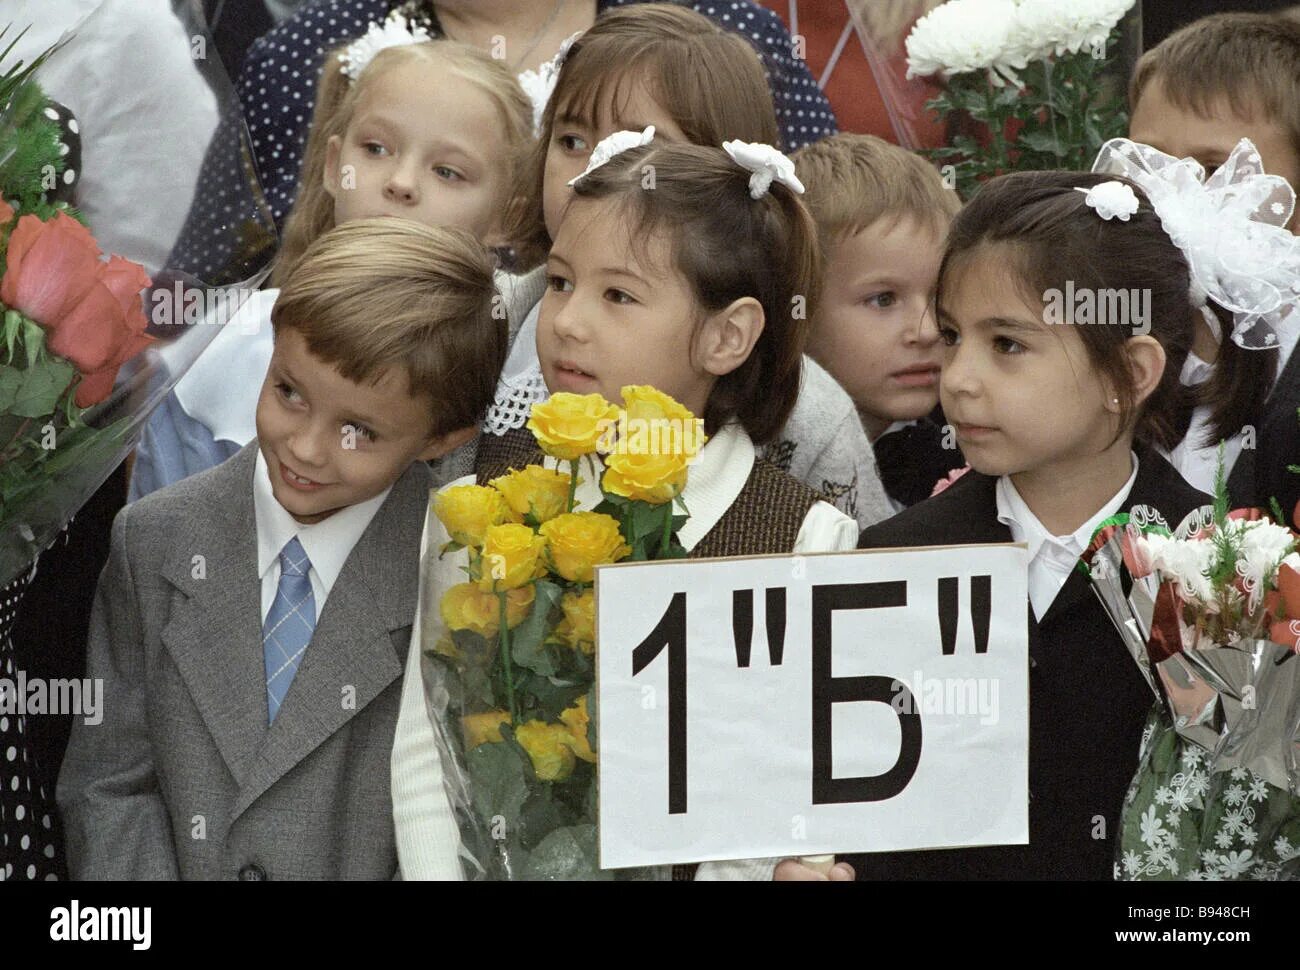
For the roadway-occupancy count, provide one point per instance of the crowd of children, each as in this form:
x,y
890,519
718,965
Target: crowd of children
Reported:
x,y
872,361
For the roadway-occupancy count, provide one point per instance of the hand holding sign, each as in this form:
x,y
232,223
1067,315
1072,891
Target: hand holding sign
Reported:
x,y
872,723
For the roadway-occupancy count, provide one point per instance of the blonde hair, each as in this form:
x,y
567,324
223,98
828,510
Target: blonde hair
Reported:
x,y
336,101
853,180
373,294
1251,60
710,81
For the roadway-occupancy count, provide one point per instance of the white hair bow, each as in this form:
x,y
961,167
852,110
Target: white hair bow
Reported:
x,y
768,165
1230,227
615,144
1111,200
393,32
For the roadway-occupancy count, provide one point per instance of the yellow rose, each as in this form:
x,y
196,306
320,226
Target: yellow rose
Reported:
x,y
580,540
578,628
651,478
575,719
677,430
550,746
512,556
568,426
466,607
542,491
468,511
483,728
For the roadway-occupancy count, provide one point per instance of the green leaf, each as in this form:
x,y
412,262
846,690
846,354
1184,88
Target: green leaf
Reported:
x,y
542,813
593,714
1042,141
565,854
528,639
42,387
33,341
546,698
10,381
13,324
499,774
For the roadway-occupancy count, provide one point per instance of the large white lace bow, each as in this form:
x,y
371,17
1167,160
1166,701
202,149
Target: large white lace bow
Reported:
x,y
615,144
393,32
767,164
1230,227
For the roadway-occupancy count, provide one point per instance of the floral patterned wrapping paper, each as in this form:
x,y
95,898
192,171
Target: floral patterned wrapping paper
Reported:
x,y
1216,794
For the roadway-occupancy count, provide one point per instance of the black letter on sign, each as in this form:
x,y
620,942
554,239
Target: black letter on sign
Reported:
x,y
828,690
670,632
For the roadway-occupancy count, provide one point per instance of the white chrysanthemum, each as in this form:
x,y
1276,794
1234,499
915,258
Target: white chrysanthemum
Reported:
x,y
1056,27
1264,546
1186,562
966,35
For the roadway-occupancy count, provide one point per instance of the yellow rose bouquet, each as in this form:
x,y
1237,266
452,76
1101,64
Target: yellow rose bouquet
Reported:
x,y
510,675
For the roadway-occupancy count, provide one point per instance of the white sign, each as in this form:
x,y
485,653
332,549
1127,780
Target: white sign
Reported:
x,y
803,705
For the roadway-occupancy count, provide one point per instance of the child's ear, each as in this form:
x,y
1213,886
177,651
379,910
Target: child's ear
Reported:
x,y
728,337
332,149
445,444
1146,362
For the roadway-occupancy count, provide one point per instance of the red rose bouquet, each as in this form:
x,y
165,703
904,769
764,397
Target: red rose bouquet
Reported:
x,y
69,319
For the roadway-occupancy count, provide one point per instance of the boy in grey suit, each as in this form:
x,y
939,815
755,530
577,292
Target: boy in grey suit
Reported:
x,y
252,623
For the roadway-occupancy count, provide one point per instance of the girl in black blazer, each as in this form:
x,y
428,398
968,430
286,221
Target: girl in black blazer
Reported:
x,y
1059,419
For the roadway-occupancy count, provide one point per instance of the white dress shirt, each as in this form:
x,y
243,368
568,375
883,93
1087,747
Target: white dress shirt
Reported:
x,y
327,543
1051,558
427,837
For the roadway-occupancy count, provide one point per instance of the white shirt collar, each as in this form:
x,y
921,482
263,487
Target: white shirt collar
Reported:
x,y
1026,527
327,544
716,477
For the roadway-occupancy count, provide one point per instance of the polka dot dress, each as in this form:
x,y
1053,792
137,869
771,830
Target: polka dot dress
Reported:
x,y
27,837
277,90
69,149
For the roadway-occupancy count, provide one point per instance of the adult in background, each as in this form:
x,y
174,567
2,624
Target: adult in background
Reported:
x,y
278,82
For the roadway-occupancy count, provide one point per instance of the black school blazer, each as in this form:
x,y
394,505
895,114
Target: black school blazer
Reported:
x,y
1087,700
1262,474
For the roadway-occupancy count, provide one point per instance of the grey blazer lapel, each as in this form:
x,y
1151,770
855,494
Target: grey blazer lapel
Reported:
x,y
215,635
354,653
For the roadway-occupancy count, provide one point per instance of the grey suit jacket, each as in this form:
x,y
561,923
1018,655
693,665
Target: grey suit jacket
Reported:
x,y
183,778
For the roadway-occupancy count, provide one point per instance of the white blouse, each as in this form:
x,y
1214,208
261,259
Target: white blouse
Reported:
x,y
427,838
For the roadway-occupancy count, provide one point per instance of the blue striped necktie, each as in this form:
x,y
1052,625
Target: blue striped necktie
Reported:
x,y
289,624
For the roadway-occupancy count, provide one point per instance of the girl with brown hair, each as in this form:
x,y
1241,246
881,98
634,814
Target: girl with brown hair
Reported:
x,y
1060,415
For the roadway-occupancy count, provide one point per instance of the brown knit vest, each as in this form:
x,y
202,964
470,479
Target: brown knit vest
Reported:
x,y
764,518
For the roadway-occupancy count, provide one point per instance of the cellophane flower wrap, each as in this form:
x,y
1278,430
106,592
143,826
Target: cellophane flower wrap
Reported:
x,y
1028,84
1211,615
507,625
80,362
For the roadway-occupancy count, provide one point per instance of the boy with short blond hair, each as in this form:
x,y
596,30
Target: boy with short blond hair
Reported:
x,y
1220,79
882,214
253,621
